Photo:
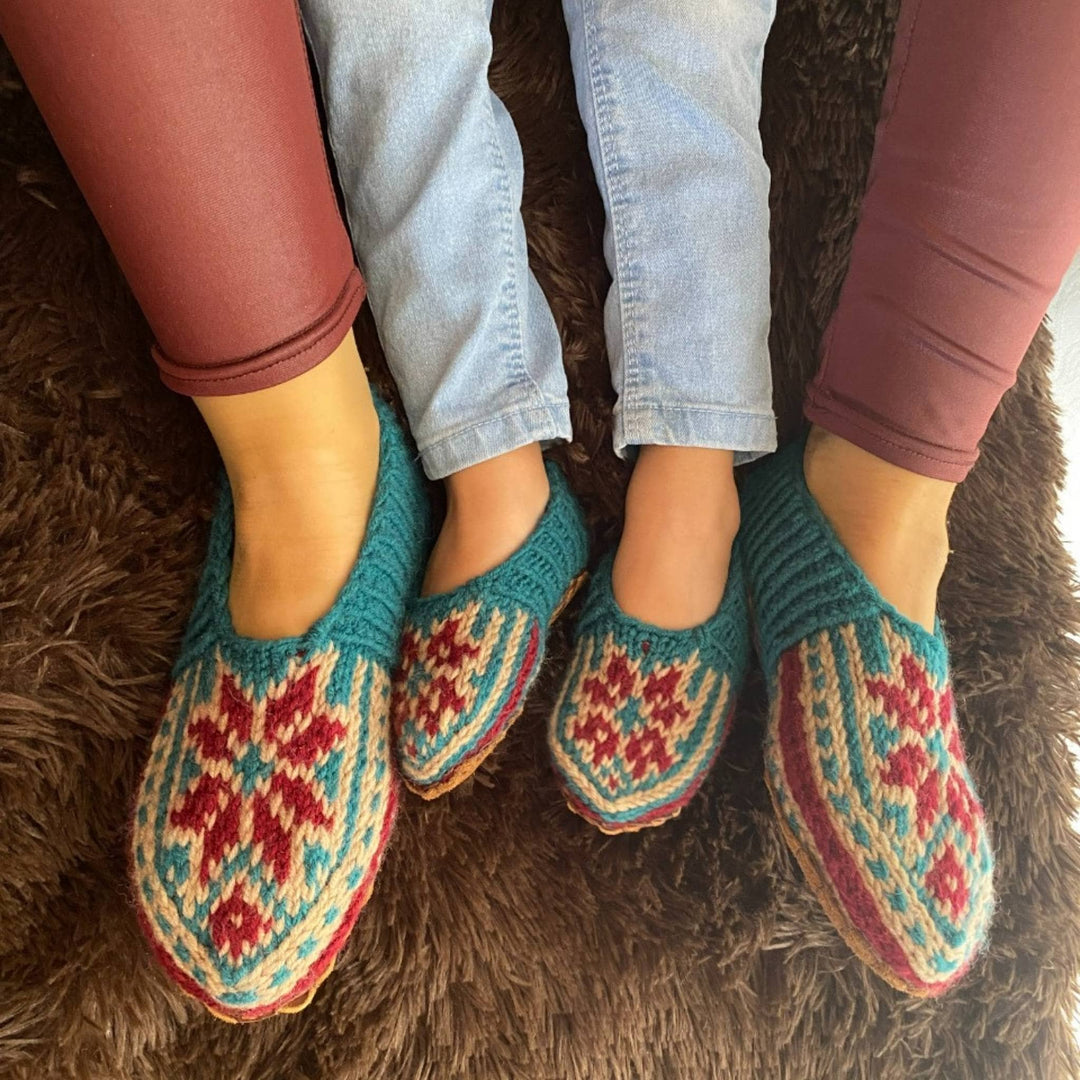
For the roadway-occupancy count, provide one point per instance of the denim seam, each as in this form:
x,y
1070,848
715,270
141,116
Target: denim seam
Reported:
x,y
517,410
698,425
611,178
510,304
675,406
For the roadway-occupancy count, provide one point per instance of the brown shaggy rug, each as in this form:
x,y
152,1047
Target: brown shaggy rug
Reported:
x,y
506,938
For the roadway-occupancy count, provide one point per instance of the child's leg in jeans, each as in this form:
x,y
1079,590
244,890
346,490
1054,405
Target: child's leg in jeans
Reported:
x,y
970,218
196,141
432,172
670,94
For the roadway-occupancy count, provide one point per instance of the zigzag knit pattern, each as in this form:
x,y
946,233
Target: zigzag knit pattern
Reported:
x,y
270,792
863,756
644,711
469,656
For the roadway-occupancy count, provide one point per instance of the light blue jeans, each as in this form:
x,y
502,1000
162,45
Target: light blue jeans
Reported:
x,y
670,94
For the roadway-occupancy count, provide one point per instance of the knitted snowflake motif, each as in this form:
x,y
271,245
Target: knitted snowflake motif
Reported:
x,y
633,737
631,722
252,805
867,766
924,770
461,679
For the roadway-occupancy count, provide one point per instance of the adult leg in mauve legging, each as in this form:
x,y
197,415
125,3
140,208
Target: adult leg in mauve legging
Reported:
x,y
194,136
970,218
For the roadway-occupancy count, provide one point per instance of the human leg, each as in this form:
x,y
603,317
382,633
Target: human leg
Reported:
x,y
970,218
432,172
269,794
670,93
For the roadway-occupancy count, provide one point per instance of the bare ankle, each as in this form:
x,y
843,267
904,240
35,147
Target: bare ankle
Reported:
x,y
491,509
322,419
892,521
880,497
682,514
695,485
514,482
302,460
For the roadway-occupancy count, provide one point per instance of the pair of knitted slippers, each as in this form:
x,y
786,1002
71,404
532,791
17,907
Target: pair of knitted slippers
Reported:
x,y
864,760
270,792
271,789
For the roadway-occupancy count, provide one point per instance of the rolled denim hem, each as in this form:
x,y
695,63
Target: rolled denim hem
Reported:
x,y
480,442
751,435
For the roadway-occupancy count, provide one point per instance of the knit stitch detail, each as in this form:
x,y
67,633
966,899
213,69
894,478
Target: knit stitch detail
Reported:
x,y
386,574
644,711
863,756
270,794
469,656
802,578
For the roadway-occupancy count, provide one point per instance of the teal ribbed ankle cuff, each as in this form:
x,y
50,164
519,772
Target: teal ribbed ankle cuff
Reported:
x,y
801,577
534,577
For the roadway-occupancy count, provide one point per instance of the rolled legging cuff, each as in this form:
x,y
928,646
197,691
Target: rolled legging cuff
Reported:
x,y
193,133
272,366
877,438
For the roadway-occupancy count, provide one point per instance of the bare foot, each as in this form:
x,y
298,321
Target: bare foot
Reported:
x,y
891,521
682,514
302,460
491,509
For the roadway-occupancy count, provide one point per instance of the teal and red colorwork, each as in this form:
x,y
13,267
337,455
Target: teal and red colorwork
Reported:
x,y
468,657
270,792
644,711
863,755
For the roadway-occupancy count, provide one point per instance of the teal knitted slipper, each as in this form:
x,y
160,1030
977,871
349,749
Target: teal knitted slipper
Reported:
x,y
469,656
863,756
644,711
269,795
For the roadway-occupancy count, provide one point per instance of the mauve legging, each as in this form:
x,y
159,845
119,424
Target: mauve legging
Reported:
x,y
193,133
969,221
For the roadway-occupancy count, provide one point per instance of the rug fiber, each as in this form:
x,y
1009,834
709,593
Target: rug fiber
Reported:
x,y
506,938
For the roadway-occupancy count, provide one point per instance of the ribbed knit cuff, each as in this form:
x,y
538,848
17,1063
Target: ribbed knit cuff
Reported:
x,y
369,610
556,552
722,640
537,575
801,578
